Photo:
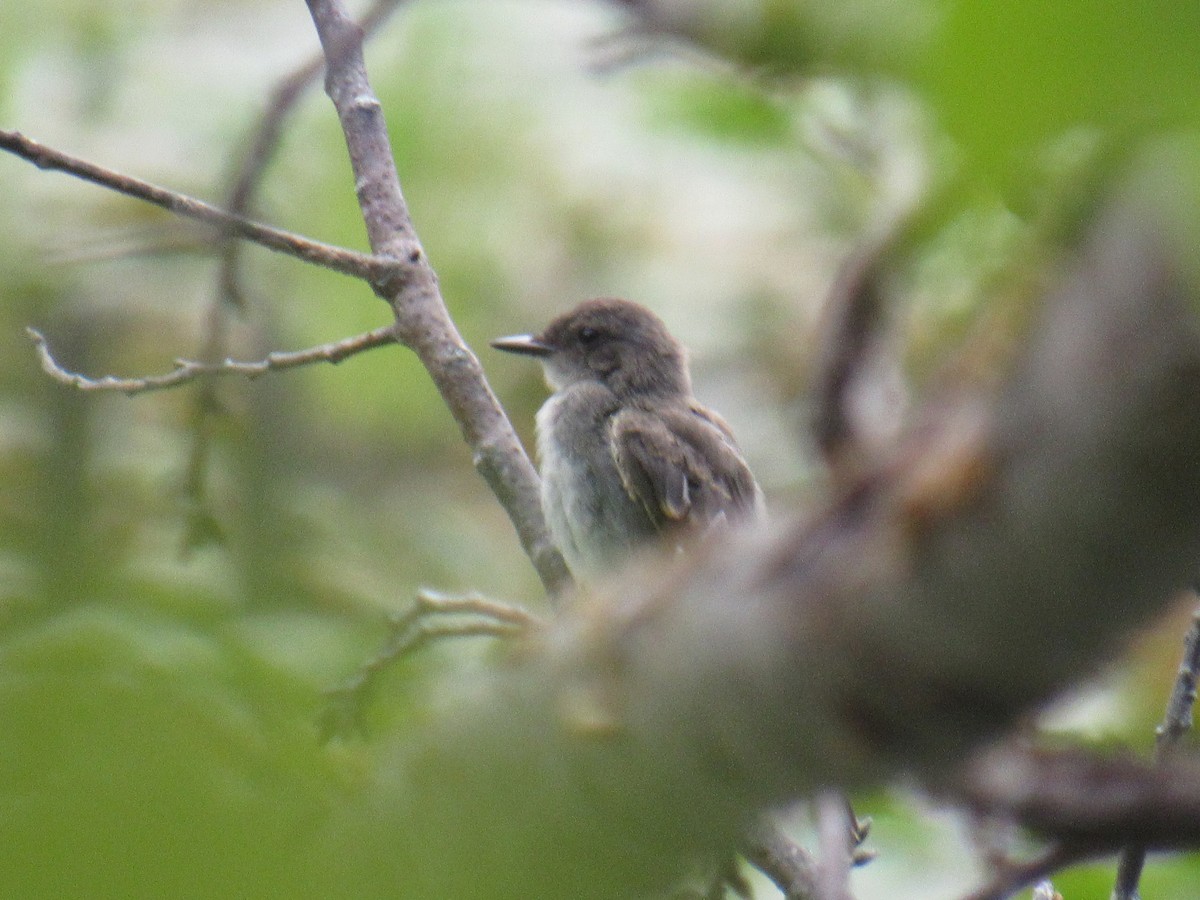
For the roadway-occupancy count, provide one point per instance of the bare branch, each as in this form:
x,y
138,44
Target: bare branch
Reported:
x,y
422,321
189,370
436,603
1178,719
326,255
231,293
835,835
1092,804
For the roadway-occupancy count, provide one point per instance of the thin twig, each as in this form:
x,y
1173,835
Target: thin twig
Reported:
x,y
189,370
1176,723
348,262
431,602
431,617
1178,719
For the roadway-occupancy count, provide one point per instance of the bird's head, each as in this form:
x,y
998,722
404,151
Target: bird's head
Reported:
x,y
618,343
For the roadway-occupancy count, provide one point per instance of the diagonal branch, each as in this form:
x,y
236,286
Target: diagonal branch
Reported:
x,y
422,320
855,310
1014,876
398,272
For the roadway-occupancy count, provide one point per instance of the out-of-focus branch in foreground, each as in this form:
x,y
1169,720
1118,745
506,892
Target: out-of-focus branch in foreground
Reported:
x,y
1006,548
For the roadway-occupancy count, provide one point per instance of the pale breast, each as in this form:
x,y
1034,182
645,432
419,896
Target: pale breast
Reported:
x,y
590,515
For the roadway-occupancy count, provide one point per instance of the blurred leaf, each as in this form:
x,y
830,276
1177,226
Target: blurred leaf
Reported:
x,y
1003,79
723,109
142,759
1009,76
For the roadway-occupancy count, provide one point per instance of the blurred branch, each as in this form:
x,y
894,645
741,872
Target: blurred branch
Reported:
x,y
422,321
1176,723
835,834
1012,877
640,732
325,255
791,35
1094,807
1092,804
854,310
190,370
789,866
793,870
231,293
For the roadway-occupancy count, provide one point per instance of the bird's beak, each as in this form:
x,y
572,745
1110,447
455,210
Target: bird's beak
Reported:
x,y
526,344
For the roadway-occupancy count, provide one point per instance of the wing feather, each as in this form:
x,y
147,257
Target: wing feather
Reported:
x,y
682,466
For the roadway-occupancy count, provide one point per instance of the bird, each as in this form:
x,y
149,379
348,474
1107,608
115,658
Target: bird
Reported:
x,y
628,457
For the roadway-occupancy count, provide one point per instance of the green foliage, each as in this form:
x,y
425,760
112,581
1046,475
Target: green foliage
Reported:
x,y
144,759
719,108
1006,78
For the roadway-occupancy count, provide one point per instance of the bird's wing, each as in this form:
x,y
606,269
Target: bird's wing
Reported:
x,y
744,497
682,466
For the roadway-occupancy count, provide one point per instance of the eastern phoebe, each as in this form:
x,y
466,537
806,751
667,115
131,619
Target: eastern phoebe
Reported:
x,y
627,455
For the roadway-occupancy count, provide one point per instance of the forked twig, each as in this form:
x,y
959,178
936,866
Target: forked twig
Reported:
x,y
432,616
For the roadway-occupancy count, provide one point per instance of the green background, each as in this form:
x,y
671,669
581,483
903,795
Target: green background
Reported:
x,y
160,699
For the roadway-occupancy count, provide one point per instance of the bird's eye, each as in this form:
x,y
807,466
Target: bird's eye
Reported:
x,y
588,334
